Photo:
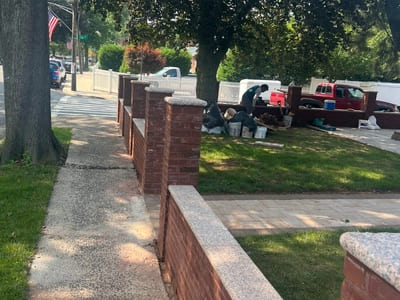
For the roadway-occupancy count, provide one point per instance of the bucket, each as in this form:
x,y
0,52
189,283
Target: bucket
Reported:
x,y
246,133
329,104
287,120
235,128
260,132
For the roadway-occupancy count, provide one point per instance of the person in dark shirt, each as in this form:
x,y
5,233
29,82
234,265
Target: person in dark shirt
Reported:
x,y
250,97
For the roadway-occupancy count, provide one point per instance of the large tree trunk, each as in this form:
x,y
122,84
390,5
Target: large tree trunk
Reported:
x,y
392,9
25,47
207,65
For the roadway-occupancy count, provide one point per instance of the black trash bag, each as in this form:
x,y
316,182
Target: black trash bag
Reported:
x,y
245,119
251,124
213,117
240,116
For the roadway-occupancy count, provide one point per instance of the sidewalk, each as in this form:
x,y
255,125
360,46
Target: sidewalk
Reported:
x,y
97,239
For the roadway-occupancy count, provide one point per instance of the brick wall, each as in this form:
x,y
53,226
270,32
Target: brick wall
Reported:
x,y
138,98
192,275
202,259
127,128
362,283
155,116
181,151
139,146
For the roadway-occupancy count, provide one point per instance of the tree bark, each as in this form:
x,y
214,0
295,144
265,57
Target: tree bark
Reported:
x,y
25,47
392,9
207,85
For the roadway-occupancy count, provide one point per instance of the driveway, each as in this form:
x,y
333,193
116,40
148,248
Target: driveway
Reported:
x,y
377,138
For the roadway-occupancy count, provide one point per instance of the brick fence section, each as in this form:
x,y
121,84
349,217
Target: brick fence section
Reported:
x,y
181,151
371,266
155,114
202,258
362,283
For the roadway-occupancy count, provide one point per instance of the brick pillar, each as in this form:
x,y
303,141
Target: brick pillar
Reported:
x,y
120,93
126,94
293,98
126,101
155,115
369,103
181,152
138,98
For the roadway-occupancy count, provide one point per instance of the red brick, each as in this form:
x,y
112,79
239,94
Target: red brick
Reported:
x,y
354,271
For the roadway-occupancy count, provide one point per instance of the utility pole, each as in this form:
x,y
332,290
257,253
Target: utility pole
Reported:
x,y
74,43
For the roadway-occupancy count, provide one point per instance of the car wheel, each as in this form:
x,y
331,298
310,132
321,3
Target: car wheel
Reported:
x,y
310,103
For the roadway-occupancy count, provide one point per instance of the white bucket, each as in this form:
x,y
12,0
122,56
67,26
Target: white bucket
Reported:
x,y
287,120
235,128
246,133
260,132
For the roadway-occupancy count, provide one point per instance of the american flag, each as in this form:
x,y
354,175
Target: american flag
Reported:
x,y
52,24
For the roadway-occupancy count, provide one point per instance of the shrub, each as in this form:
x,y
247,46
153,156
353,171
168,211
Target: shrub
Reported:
x,y
152,59
110,57
177,58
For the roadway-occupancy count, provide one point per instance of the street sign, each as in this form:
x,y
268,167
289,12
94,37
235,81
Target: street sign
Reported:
x,y
83,37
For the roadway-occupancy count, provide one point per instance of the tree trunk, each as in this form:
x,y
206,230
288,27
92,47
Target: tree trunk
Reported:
x,y
86,63
207,66
392,9
25,47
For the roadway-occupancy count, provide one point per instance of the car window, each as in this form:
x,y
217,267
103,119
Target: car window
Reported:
x,y
53,67
172,73
328,90
340,92
355,93
319,89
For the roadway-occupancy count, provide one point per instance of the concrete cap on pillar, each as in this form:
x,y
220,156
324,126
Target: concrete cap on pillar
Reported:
x,y
137,82
152,89
185,101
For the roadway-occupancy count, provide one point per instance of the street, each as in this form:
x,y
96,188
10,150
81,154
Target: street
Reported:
x,y
64,104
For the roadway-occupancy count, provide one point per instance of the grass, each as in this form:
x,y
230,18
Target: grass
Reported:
x,y
305,265
24,195
310,161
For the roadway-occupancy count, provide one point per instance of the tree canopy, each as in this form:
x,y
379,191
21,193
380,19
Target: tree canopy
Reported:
x,y
303,31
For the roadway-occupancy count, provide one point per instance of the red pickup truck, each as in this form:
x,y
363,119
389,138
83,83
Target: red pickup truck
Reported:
x,y
345,96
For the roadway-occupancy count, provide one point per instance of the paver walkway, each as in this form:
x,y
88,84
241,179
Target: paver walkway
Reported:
x,y
268,214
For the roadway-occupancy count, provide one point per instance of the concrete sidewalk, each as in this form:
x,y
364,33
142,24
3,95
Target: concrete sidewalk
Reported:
x,y
97,239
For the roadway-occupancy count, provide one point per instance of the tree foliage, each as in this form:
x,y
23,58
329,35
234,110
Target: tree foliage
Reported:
x,y
289,37
110,57
143,59
177,58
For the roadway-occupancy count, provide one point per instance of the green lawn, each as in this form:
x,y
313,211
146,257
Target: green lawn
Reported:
x,y
305,265
24,195
310,161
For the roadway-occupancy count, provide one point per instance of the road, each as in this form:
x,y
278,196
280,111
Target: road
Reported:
x,y
63,104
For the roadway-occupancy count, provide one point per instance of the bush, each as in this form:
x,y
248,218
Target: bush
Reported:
x,y
110,57
152,59
177,58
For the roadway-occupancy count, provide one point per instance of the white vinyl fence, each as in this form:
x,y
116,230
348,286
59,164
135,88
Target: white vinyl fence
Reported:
x,y
107,81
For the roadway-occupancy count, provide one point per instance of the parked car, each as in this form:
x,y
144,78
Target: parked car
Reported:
x,y
68,65
55,75
345,97
61,68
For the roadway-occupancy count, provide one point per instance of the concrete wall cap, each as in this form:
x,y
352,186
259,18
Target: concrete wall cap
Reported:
x,y
130,77
378,251
137,82
153,89
185,101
